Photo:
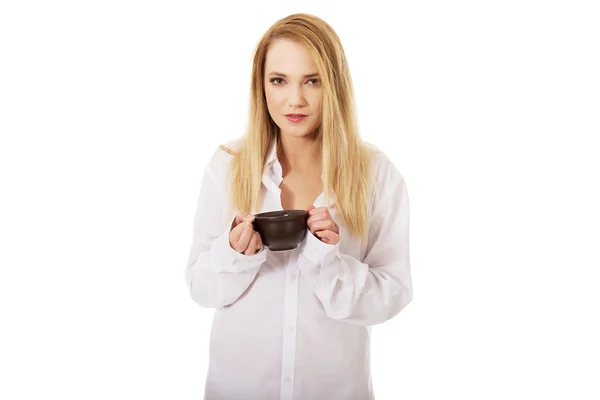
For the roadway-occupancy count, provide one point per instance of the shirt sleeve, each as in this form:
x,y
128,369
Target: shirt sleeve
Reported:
x,y
216,274
373,291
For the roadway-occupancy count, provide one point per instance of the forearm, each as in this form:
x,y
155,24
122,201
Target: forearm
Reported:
x,y
217,275
355,292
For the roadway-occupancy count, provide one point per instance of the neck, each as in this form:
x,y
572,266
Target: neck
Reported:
x,y
299,153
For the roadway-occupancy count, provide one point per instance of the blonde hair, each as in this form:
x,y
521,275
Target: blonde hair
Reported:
x,y
345,158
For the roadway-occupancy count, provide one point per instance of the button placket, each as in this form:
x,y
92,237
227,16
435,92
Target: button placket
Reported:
x,y
288,359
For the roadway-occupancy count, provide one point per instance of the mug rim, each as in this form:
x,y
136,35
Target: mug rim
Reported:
x,y
278,214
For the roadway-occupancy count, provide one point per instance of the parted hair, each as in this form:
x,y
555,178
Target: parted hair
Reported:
x,y
345,157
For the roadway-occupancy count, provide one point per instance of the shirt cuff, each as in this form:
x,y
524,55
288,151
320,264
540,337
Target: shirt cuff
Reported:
x,y
225,259
318,251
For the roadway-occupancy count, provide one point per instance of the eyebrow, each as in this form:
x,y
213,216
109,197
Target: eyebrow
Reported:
x,y
285,76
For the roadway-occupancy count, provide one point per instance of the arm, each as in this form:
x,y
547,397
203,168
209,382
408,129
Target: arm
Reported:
x,y
216,274
373,291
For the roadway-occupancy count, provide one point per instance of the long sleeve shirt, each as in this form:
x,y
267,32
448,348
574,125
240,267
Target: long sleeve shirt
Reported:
x,y
295,325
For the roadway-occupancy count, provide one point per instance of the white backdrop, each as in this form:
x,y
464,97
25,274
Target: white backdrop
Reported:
x,y
108,114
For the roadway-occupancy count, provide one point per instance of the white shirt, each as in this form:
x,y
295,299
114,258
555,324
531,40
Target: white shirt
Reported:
x,y
296,325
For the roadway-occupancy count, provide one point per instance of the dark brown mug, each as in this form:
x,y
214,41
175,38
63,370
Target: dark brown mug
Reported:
x,y
281,230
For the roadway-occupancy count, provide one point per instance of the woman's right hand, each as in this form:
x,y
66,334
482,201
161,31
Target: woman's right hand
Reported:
x,y
243,238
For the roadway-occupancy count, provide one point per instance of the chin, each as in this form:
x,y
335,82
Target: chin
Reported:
x,y
297,131
297,134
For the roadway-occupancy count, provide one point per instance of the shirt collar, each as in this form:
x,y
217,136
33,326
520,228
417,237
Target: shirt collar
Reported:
x,y
272,154
273,174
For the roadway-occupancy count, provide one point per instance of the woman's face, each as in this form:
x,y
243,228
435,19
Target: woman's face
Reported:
x,y
292,86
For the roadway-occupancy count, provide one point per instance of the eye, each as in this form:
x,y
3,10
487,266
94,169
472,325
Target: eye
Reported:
x,y
278,81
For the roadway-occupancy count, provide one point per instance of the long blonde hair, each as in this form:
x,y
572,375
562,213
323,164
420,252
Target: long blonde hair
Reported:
x,y
346,159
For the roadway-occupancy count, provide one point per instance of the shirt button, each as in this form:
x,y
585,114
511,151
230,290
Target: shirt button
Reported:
x,y
290,330
287,379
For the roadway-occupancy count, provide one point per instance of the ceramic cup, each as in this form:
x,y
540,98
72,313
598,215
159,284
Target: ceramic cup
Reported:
x,y
281,230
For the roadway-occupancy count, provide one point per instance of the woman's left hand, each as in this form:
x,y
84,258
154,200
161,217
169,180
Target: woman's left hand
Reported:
x,y
322,225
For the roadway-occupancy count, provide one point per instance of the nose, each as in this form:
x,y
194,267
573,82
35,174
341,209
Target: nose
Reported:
x,y
296,98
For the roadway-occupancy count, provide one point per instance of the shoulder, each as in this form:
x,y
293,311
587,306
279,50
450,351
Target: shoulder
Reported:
x,y
383,169
386,177
222,156
231,147
218,165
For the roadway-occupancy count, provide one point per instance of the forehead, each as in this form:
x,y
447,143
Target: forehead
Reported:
x,y
290,58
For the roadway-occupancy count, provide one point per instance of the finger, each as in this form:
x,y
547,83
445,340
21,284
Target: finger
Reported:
x,y
251,249
317,210
323,225
311,207
234,235
259,243
325,240
240,216
245,237
317,217
333,238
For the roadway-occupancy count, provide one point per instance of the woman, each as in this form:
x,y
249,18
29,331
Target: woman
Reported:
x,y
296,324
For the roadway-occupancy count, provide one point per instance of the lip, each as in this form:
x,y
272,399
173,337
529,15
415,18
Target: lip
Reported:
x,y
295,117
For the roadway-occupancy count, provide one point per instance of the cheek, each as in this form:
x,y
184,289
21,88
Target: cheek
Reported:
x,y
272,96
316,104
271,103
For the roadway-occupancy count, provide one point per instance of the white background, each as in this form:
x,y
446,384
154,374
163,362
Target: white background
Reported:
x,y
108,114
